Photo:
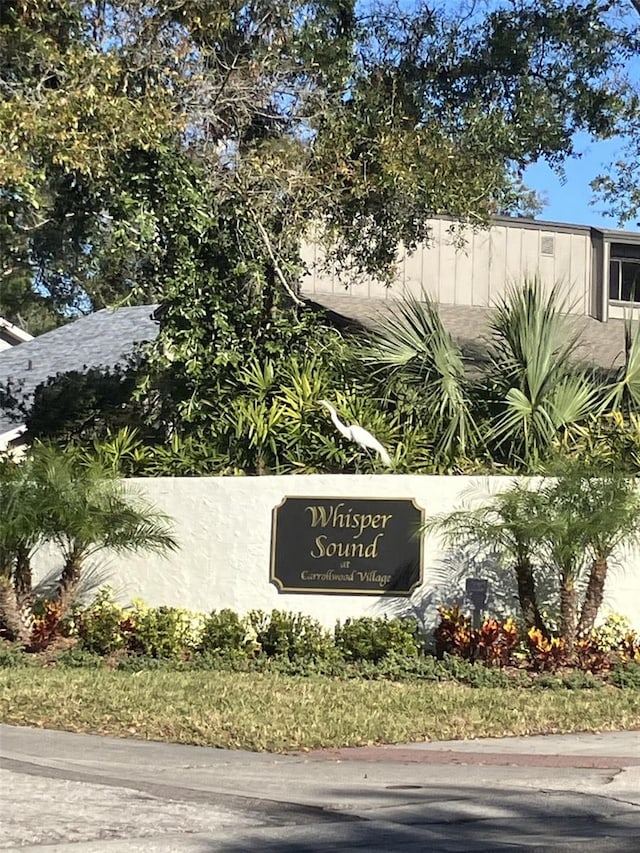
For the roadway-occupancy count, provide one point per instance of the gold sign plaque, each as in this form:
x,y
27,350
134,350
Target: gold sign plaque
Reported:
x,y
350,546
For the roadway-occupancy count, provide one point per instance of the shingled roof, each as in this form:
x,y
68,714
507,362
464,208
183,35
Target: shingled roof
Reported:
x,y
109,337
104,339
601,344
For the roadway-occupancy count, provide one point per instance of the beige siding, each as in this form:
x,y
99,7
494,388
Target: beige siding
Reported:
x,y
481,263
478,272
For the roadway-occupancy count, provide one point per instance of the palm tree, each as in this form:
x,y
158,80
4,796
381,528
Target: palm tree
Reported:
x,y
562,541
87,510
413,342
538,390
535,390
509,525
20,534
599,514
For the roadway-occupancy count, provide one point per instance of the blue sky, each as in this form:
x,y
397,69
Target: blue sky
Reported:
x,y
571,201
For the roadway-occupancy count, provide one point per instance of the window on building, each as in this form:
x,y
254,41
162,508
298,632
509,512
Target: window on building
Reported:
x,y
624,273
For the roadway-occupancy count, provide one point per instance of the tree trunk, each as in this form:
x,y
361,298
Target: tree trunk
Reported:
x,y
69,581
22,581
11,616
527,597
568,611
595,594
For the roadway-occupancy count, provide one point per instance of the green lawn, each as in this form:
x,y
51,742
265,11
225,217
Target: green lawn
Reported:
x,y
275,712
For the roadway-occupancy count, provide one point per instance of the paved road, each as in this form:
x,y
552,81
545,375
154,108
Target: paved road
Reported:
x,y
89,794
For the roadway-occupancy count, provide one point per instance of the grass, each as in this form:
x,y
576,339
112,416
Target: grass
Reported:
x,y
278,713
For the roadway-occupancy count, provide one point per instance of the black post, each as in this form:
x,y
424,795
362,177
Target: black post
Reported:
x,y
477,589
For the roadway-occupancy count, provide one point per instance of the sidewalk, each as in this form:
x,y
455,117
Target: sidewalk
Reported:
x,y
88,794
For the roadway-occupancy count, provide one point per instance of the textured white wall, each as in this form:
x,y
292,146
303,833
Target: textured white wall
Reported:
x,y
224,528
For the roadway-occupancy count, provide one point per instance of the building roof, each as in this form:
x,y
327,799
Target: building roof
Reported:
x,y
601,344
104,339
108,337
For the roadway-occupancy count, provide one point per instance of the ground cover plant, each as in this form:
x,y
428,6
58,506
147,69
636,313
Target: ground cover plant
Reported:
x,y
272,711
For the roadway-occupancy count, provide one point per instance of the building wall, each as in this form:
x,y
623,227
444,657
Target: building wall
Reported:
x,y
477,272
224,528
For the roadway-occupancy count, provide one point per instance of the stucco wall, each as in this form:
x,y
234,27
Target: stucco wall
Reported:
x,y
224,528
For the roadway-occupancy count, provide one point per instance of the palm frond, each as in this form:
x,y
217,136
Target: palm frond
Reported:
x,y
538,389
624,393
413,341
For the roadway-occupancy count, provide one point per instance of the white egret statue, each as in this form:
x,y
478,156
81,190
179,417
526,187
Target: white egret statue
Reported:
x,y
359,435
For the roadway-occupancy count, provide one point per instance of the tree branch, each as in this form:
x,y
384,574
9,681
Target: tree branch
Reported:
x,y
276,265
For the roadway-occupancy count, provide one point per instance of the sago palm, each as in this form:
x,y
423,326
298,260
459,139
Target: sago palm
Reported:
x,y
537,389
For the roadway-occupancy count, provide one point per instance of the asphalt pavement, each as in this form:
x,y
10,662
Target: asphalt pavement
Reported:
x,y
90,794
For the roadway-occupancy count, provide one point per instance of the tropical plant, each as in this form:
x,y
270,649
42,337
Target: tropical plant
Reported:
x,y
599,514
20,534
413,342
573,524
86,509
562,542
623,394
509,525
537,390
121,452
268,419
605,442
518,402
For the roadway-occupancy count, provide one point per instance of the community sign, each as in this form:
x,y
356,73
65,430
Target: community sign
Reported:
x,y
351,546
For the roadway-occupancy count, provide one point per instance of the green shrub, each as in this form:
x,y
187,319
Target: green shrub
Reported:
x,y
148,663
454,668
571,680
292,636
226,631
579,680
626,675
612,634
161,632
79,658
99,626
371,639
12,655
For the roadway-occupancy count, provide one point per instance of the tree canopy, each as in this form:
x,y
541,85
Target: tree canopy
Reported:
x,y
140,142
